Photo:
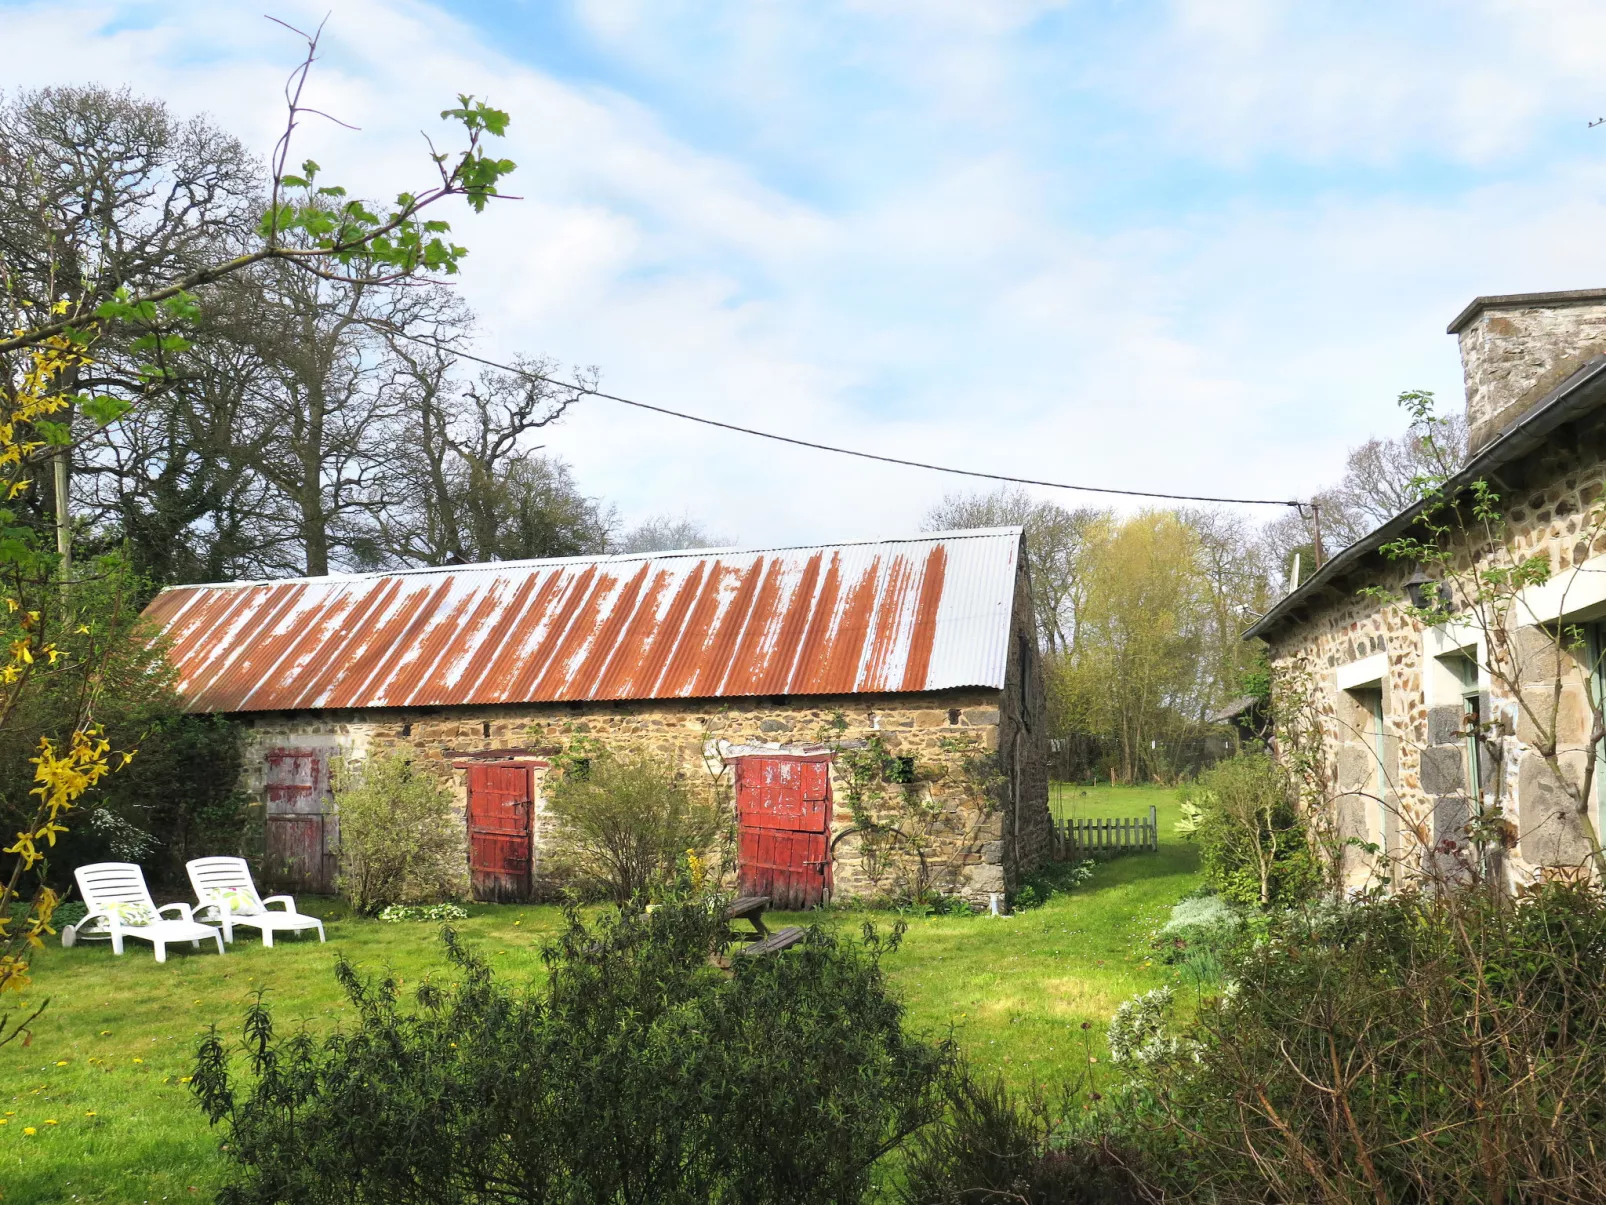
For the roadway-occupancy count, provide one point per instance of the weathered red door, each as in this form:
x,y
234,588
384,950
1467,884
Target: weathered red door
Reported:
x,y
500,805
302,836
783,806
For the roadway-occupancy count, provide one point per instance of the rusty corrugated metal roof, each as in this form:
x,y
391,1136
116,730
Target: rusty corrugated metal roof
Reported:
x,y
922,613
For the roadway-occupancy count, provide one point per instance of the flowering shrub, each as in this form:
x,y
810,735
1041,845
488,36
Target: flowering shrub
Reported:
x,y
396,913
1139,1031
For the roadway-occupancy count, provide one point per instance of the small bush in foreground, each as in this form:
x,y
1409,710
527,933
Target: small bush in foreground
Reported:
x,y
636,1074
1425,1047
995,1148
400,839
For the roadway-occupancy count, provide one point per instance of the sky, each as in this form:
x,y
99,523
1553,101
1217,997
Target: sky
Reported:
x,y
1196,246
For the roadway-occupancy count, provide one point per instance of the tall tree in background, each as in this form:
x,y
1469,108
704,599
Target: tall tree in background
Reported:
x,y
1381,479
1135,668
83,281
1055,540
102,191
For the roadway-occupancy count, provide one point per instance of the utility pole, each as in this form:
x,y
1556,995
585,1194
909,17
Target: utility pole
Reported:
x,y
1316,531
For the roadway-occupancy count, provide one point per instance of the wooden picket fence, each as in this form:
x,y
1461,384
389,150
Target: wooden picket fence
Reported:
x,y
1081,838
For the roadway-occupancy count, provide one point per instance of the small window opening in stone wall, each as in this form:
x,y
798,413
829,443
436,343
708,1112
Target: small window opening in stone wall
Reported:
x,y
953,715
577,705
407,730
901,770
778,701
485,729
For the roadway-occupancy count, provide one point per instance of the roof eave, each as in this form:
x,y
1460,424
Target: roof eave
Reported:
x,y
1585,390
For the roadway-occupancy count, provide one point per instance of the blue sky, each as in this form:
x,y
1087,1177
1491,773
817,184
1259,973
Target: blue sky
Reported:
x,y
1193,246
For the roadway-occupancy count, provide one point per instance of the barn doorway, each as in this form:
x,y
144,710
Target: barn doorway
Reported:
x,y
303,835
783,808
501,810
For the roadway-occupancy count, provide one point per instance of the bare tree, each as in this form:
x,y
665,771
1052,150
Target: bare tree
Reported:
x,y
666,533
1056,540
1382,477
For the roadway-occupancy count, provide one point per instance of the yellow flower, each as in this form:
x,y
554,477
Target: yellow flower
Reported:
x,y
139,1060
89,1112
62,1062
50,1121
105,1033
184,1079
29,1130
5,1121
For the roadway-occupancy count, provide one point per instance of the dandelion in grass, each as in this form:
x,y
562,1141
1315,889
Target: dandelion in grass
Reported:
x,y
50,1121
29,1131
62,1062
89,1113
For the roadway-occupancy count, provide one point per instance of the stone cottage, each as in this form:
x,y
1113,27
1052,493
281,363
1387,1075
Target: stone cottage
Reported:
x,y
1453,724
873,713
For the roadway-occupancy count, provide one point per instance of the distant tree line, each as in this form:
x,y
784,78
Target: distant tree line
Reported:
x,y
1140,615
314,422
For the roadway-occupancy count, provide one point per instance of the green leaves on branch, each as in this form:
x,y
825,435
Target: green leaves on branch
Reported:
x,y
393,242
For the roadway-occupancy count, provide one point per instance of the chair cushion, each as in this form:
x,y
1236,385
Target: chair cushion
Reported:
x,y
240,903
131,914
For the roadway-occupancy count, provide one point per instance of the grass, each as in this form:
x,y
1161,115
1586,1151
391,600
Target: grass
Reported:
x,y
108,1059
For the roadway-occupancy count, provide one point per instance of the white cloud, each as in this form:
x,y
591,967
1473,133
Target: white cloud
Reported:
x,y
955,309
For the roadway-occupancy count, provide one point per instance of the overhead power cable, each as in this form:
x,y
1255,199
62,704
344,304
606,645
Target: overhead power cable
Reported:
x,y
587,391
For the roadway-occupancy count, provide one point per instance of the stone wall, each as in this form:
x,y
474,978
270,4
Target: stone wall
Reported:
x,y
1551,510
979,826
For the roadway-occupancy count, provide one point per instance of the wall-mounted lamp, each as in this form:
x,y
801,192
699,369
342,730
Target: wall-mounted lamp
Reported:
x,y
1426,593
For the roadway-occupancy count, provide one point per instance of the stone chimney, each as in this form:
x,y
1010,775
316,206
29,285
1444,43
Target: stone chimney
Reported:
x,y
1515,349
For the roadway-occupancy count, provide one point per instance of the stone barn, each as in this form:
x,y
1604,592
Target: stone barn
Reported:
x,y
872,713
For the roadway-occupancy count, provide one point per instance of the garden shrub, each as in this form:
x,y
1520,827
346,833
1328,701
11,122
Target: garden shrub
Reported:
x,y
635,1073
1199,933
1424,1047
396,914
1051,879
1253,846
178,797
994,1147
624,822
401,840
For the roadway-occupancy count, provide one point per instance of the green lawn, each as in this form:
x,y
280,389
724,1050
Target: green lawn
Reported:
x,y
108,1058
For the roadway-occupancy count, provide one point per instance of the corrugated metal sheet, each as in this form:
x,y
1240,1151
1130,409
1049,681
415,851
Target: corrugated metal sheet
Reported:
x,y
923,613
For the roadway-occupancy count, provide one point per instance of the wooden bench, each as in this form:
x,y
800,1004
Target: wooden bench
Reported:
x,y
775,942
751,909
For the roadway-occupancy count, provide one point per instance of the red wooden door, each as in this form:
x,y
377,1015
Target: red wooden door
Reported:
x,y
302,833
783,806
500,805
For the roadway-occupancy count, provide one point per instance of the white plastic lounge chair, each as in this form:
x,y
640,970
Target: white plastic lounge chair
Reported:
x,y
227,895
120,907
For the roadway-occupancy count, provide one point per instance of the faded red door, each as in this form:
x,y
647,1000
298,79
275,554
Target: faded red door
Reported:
x,y
783,806
500,804
302,833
